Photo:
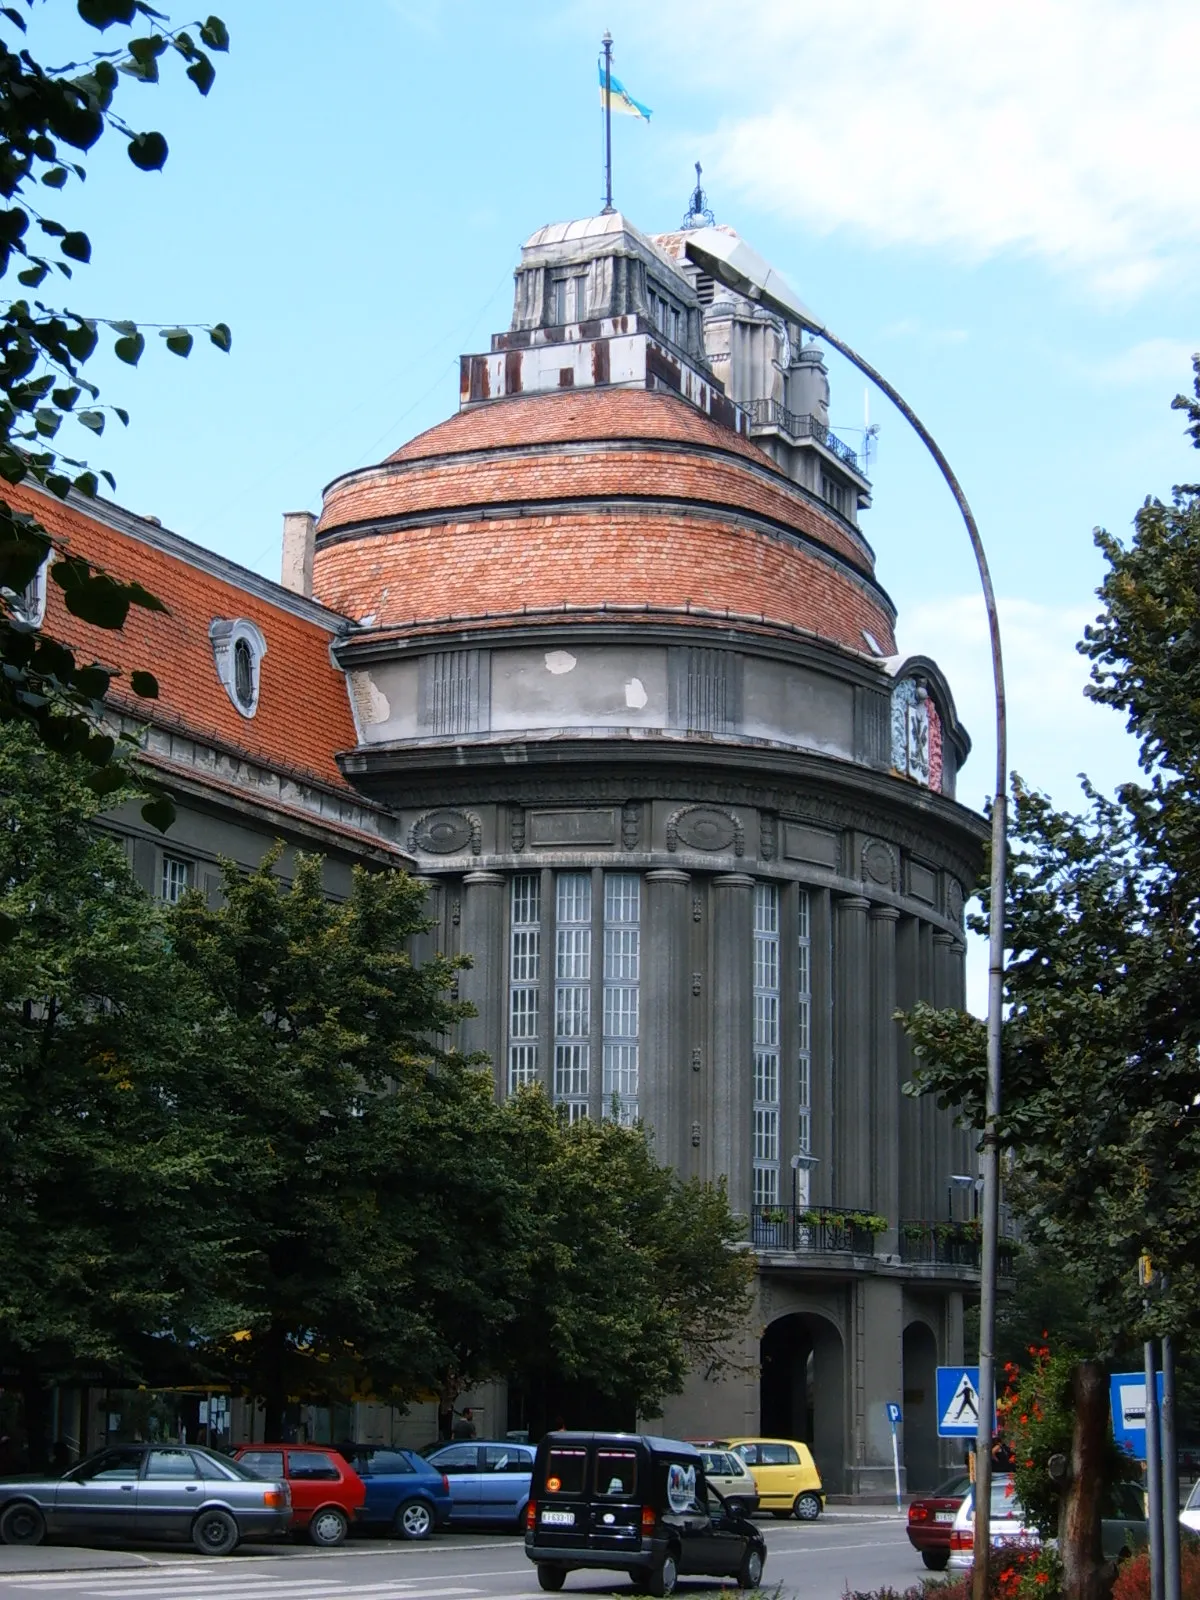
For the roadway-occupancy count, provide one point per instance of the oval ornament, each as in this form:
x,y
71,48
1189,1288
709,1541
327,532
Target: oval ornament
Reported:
x,y
442,833
705,828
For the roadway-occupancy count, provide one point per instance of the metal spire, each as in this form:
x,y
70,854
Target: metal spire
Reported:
x,y
698,215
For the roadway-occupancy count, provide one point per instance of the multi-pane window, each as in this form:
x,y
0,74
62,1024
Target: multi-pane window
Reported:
x,y
524,973
803,1042
622,970
766,1044
573,992
176,878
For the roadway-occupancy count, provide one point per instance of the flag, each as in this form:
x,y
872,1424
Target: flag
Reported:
x,y
621,98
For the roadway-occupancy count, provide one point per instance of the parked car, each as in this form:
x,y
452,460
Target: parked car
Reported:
x,y
149,1491
789,1484
931,1519
1123,1528
728,1473
634,1503
405,1494
327,1493
1190,1515
488,1479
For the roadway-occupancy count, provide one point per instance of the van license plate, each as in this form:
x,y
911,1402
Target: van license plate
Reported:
x,y
558,1519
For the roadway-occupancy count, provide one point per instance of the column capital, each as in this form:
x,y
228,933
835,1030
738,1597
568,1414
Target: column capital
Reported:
x,y
852,902
884,914
733,880
948,939
483,879
668,875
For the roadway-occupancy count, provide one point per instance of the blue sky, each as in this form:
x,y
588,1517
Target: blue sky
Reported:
x,y
1000,211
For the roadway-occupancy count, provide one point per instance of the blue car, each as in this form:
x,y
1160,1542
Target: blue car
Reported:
x,y
489,1480
406,1496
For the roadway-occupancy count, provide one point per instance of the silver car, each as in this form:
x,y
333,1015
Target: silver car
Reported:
x,y
133,1492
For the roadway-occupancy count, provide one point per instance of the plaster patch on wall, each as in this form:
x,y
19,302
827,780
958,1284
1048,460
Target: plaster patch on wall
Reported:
x,y
635,694
369,697
559,661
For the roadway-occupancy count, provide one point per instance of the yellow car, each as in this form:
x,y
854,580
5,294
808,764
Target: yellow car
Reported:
x,y
789,1484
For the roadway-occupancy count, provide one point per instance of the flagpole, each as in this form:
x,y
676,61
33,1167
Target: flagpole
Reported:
x,y
607,42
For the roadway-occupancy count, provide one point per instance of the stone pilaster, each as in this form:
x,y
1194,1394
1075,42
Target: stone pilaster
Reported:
x,y
731,993
852,1061
885,1089
669,1091
485,983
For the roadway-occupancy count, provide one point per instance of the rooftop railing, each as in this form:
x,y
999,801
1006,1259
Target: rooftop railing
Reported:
x,y
800,425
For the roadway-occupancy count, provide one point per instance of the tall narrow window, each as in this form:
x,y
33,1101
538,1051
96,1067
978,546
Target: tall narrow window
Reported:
x,y
766,1044
803,1044
524,971
573,992
622,971
176,878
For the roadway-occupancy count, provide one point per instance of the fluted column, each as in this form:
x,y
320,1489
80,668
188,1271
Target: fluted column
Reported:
x,y
668,1096
885,1091
485,983
731,987
852,1058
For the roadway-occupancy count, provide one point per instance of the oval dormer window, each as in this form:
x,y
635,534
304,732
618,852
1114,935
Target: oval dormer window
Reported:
x,y
238,648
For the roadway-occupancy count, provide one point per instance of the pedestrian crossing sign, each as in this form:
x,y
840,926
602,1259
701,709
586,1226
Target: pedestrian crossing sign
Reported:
x,y
958,1402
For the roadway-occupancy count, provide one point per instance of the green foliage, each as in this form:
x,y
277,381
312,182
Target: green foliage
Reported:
x,y
48,118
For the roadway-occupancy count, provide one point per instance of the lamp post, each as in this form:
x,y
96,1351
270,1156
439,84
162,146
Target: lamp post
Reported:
x,y
730,260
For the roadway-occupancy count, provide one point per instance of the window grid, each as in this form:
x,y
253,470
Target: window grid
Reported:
x,y
766,1044
803,1025
176,878
525,968
573,992
622,971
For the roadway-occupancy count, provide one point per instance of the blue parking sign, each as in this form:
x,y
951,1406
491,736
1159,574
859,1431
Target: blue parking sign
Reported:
x,y
893,1411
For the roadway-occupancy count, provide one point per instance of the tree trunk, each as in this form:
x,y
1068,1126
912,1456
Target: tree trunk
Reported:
x,y
274,1386
35,1403
1086,1574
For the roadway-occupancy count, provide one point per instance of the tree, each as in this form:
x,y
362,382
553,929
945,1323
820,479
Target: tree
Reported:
x,y
49,119
108,1251
1101,1102
328,1083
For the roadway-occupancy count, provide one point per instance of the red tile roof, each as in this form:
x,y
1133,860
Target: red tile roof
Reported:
x,y
303,714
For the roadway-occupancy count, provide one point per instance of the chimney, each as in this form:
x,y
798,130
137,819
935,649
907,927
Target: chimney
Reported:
x,y
299,540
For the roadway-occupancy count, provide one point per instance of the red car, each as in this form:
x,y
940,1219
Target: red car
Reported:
x,y
931,1519
327,1493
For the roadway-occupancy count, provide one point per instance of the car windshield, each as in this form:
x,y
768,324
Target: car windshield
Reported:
x,y
721,1463
1194,1498
953,1488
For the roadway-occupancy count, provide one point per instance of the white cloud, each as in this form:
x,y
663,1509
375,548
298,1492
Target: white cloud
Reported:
x,y
1156,361
1059,129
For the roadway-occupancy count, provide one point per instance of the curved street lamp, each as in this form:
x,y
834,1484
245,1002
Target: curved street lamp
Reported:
x,y
730,260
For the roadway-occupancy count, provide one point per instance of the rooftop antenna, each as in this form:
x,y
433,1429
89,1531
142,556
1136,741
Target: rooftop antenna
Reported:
x,y
870,433
698,214
607,43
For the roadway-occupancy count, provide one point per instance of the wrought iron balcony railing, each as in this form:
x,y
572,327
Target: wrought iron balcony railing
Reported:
x,y
800,425
811,1230
951,1244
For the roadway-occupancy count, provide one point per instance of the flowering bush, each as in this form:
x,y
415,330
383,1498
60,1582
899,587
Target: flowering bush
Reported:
x,y
1133,1576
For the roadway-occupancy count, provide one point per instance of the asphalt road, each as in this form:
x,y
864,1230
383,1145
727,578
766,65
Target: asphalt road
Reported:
x,y
805,1561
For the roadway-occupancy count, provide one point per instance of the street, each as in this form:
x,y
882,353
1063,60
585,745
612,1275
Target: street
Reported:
x,y
807,1561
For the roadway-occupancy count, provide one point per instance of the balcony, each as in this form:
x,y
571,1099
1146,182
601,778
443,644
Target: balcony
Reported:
x,y
801,425
813,1230
951,1244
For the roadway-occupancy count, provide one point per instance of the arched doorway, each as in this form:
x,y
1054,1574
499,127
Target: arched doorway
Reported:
x,y
920,1407
801,1389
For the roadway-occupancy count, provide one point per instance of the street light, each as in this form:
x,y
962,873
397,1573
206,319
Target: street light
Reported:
x,y
727,258
961,1180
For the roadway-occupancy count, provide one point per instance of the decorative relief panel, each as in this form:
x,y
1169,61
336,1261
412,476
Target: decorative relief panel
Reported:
x,y
954,900
879,864
631,824
916,734
768,843
446,833
922,882
705,828
812,845
550,828
516,829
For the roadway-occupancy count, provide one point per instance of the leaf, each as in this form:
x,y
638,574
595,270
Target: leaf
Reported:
x,y
144,684
122,415
55,178
214,34
203,74
103,13
92,682
81,340
66,398
15,17
130,349
148,151
127,328
159,812
85,483
54,229
221,336
92,419
179,341
33,276
77,246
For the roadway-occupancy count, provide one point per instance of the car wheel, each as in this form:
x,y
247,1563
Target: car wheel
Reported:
x,y
413,1520
551,1578
750,1571
215,1533
936,1560
22,1524
807,1507
665,1576
329,1526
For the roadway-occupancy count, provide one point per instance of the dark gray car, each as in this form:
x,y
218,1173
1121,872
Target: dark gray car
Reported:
x,y
133,1492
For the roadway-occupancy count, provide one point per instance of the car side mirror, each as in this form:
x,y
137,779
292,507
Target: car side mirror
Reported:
x,y
735,1508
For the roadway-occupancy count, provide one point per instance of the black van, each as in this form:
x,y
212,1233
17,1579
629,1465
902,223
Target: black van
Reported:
x,y
630,1502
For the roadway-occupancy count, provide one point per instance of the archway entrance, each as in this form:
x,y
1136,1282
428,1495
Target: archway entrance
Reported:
x,y
801,1389
920,1407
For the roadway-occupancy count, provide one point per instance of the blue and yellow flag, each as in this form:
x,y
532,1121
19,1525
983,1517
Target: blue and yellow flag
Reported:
x,y
621,99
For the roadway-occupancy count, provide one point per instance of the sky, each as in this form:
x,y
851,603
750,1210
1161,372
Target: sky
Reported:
x,y
998,206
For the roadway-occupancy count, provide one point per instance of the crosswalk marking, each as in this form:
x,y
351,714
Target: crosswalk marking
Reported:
x,y
219,1586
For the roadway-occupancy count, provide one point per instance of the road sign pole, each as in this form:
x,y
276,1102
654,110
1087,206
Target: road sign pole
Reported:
x,y
1154,1499
896,1466
1170,1474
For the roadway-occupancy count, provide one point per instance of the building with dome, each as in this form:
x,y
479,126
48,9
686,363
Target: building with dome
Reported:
x,y
604,658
